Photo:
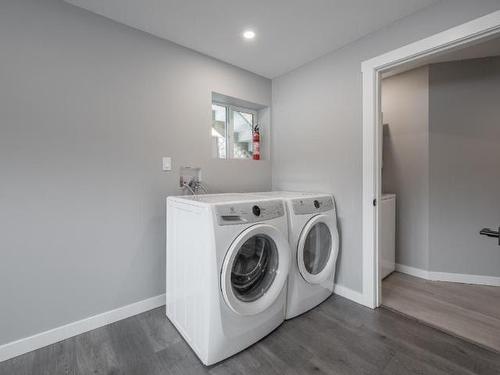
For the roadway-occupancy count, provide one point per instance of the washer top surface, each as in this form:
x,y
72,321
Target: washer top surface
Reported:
x,y
288,194
220,198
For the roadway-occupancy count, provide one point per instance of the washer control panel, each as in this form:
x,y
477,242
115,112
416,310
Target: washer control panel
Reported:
x,y
249,212
304,206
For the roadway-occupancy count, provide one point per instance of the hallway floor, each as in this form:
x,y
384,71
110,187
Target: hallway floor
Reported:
x,y
338,337
468,311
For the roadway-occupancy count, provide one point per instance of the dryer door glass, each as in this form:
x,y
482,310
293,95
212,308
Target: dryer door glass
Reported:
x,y
317,248
254,268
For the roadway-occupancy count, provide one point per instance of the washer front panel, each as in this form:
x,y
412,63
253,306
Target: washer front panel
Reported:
x,y
249,212
233,274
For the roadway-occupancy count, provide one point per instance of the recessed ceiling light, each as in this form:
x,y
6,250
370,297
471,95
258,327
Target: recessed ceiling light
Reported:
x,y
248,34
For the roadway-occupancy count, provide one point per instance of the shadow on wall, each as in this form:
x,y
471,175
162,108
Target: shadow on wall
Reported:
x,y
339,257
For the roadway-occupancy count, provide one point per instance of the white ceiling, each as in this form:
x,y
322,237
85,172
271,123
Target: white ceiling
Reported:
x,y
289,32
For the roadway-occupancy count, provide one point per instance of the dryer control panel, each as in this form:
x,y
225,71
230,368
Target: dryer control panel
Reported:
x,y
304,206
248,212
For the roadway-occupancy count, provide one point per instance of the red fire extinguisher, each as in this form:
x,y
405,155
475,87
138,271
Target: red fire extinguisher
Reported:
x,y
256,143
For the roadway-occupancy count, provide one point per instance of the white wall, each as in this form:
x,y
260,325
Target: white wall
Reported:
x,y
87,109
405,107
317,120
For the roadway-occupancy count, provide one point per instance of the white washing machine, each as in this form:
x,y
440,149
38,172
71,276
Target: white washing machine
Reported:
x,y
314,242
228,259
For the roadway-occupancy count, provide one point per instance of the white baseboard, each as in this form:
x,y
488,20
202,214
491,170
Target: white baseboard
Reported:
x,y
465,279
417,272
447,276
28,344
348,293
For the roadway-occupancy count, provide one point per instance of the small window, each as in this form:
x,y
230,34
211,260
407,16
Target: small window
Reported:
x,y
232,130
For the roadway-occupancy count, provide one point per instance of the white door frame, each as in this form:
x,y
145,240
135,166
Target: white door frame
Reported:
x,y
454,38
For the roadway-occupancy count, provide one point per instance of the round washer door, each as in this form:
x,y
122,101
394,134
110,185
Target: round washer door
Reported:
x,y
255,269
318,248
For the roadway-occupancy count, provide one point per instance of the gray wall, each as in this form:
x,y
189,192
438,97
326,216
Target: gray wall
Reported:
x,y
87,109
405,107
317,120
464,112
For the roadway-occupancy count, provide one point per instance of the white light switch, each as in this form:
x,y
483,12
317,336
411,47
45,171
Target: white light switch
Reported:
x,y
167,163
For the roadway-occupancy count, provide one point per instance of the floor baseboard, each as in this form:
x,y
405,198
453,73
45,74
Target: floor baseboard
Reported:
x,y
448,276
28,344
350,294
417,272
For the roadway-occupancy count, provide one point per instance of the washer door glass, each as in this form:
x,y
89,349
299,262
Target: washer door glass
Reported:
x,y
317,248
254,268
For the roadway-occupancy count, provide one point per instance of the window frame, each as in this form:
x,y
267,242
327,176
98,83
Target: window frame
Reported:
x,y
229,128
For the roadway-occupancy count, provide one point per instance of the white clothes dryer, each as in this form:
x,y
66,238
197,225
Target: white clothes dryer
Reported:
x,y
314,242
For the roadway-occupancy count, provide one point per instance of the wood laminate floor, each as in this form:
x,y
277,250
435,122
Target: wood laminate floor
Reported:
x,y
468,311
337,337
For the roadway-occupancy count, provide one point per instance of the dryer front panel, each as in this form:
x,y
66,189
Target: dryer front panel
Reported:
x,y
317,249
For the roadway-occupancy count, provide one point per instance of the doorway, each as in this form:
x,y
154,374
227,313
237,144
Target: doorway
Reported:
x,y
413,56
404,58
440,162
